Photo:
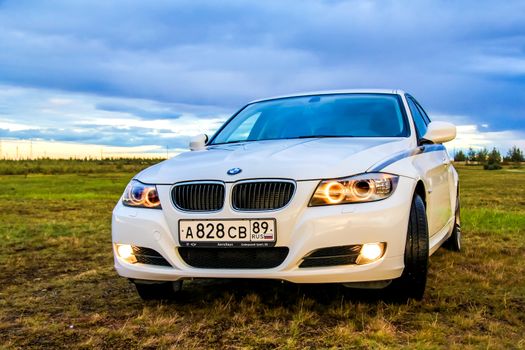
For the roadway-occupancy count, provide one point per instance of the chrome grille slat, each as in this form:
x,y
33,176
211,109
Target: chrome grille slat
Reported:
x,y
188,198
213,195
262,195
278,195
208,195
265,187
205,196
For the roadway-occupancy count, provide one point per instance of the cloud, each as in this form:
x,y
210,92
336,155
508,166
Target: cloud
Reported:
x,y
501,65
471,136
102,135
73,117
214,53
60,101
139,112
189,60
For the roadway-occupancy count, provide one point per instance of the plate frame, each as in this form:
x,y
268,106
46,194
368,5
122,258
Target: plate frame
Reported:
x,y
229,244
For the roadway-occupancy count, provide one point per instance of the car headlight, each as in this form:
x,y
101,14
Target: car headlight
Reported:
x,y
355,189
141,195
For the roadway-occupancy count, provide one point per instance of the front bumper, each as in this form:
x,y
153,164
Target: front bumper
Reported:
x,y
300,228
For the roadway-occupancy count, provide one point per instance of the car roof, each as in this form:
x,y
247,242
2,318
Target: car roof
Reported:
x,y
332,92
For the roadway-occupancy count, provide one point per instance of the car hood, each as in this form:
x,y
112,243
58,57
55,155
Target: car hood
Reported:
x,y
298,159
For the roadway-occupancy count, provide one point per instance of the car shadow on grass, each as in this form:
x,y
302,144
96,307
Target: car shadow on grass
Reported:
x,y
272,292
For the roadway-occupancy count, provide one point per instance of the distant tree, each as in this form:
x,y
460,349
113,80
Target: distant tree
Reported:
x,y
482,155
471,155
493,160
494,156
460,156
515,155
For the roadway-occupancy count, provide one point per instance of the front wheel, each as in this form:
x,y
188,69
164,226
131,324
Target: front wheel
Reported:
x,y
412,282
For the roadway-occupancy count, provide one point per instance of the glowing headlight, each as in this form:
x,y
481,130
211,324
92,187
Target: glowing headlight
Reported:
x,y
362,188
141,195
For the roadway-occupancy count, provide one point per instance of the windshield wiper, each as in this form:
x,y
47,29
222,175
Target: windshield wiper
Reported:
x,y
229,142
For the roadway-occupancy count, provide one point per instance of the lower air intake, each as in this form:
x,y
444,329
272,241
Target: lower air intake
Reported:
x,y
332,256
149,256
233,258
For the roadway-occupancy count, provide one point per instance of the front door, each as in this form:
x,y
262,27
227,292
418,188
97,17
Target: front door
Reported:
x,y
434,163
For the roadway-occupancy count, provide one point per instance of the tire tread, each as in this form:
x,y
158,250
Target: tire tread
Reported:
x,y
412,282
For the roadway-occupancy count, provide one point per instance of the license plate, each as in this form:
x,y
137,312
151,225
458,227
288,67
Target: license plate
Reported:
x,y
228,233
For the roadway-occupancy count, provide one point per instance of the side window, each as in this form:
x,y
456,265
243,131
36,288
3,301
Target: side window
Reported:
x,y
423,113
419,120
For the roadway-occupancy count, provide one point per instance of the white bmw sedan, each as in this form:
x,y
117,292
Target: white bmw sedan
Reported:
x,y
350,187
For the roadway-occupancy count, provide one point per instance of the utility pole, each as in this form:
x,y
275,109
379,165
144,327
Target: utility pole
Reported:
x,y
101,154
16,152
31,149
167,153
1,154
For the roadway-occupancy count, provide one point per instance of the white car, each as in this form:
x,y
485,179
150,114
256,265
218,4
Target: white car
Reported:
x,y
351,187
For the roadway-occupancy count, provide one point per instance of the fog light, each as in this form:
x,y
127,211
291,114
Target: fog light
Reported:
x,y
370,252
125,251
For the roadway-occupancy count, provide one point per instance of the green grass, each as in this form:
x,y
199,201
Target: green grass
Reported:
x,y
73,166
58,288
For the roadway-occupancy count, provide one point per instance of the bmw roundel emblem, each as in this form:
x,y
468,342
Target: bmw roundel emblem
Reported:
x,y
234,171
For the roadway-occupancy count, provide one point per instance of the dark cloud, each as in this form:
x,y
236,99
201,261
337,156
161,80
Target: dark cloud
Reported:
x,y
163,111
139,112
102,135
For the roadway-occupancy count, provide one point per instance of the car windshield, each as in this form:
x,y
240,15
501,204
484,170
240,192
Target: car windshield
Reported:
x,y
337,115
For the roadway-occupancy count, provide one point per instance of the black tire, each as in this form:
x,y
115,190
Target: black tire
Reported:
x,y
413,281
453,243
158,291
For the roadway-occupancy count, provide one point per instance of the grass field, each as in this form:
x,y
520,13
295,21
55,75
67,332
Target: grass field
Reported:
x,y
58,288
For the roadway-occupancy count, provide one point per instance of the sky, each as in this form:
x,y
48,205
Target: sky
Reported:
x,y
142,76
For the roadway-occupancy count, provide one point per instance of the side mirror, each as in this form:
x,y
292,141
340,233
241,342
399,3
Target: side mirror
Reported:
x,y
439,132
198,142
